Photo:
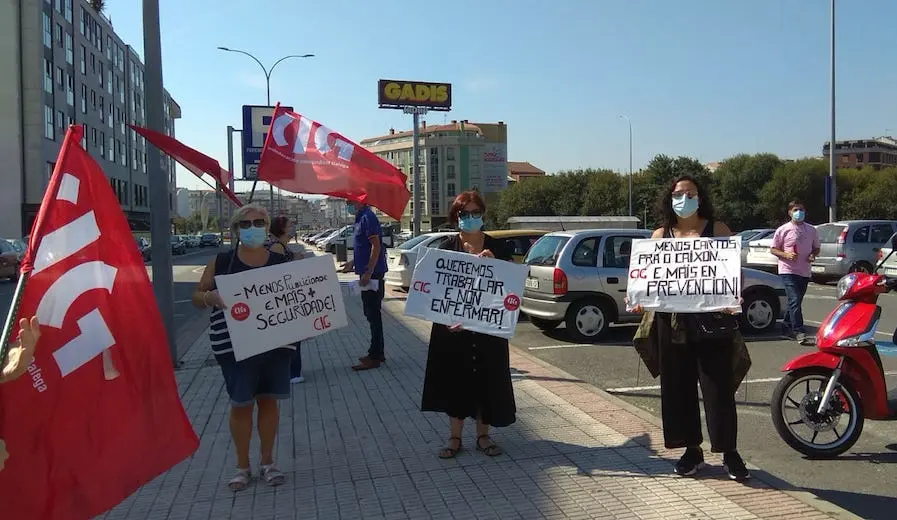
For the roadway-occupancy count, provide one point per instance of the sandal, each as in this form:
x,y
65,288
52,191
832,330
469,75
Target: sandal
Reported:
x,y
448,452
240,480
272,475
491,449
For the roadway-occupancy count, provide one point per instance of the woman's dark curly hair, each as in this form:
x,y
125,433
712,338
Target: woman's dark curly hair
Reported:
x,y
667,217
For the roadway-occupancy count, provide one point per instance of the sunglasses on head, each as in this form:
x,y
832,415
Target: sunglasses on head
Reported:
x,y
470,214
246,224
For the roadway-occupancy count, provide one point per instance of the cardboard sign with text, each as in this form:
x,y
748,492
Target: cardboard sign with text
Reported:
x,y
686,275
274,306
481,294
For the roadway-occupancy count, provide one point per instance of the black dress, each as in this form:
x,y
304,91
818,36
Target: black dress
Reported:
x,y
469,373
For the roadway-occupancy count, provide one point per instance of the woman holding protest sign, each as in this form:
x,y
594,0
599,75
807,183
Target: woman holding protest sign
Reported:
x,y
259,380
468,373
281,233
691,348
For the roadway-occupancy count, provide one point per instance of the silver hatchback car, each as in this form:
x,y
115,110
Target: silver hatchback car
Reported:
x,y
850,245
579,278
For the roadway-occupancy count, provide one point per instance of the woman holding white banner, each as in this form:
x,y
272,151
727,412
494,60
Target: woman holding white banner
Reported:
x,y
468,373
259,380
689,354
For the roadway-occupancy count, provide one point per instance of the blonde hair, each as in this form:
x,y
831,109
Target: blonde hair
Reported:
x,y
241,212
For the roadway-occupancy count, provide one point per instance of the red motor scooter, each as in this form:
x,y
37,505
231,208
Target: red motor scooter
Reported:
x,y
819,407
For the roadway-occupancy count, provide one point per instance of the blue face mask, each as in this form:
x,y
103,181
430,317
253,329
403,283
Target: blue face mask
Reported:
x,y
253,237
799,215
470,224
351,209
684,206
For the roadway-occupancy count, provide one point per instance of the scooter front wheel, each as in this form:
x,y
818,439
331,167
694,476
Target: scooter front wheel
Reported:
x,y
794,408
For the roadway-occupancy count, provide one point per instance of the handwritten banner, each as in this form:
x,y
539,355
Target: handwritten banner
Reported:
x,y
685,274
274,306
481,294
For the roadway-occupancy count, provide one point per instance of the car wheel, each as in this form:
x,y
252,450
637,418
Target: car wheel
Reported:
x,y
759,312
545,325
587,320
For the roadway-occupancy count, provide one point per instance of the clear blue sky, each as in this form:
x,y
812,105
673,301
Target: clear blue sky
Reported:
x,y
704,78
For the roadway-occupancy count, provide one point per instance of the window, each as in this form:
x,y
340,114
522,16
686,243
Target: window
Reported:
x,y
48,32
70,90
59,34
84,138
109,80
874,156
49,128
102,108
93,62
83,98
450,189
93,136
122,156
69,50
450,153
110,151
586,253
881,233
60,120
83,26
102,144
434,207
474,170
434,152
68,11
109,47
861,235
60,77
617,251
83,60
100,73
93,98
48,172
450,171
48,77
110,120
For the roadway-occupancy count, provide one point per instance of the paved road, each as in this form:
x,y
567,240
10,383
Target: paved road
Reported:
x,y
189,321
863,480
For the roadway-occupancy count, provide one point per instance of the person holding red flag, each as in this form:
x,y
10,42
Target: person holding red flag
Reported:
x,y
17,362
260,380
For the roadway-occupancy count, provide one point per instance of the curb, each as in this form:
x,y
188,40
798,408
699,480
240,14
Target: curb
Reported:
x,y
804,497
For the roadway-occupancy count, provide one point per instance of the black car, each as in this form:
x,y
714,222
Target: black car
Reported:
x,y
210,240
178,247
143,246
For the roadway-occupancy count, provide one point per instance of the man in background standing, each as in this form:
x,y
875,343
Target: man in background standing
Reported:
x,y
796,245
369,263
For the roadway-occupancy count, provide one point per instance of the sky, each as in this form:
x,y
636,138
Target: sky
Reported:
x,y
702,78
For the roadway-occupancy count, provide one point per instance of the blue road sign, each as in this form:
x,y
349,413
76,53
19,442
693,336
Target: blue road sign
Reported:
x,y
256,120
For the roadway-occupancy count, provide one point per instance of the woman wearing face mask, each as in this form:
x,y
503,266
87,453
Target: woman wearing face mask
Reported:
x,y
468,374
684,360
262,379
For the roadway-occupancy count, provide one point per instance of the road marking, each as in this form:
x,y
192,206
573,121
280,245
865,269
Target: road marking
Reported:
x,y
199,269
819,297
626,389
571,345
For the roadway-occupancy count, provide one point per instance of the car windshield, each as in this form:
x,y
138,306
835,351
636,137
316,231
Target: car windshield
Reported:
x,y
413,242
546,250
175,240
829,233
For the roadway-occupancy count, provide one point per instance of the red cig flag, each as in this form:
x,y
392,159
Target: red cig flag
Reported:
x,y
98,414
303,156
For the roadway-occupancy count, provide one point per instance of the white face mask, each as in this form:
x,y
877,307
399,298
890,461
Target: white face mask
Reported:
x,y
685,206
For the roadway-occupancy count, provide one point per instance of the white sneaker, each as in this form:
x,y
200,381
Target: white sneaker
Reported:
x,y
299,379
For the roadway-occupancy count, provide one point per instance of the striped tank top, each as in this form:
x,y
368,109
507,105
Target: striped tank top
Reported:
x,y
230,263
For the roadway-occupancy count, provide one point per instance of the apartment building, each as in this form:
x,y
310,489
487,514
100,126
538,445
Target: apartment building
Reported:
x,y
63,64
455,157
877,153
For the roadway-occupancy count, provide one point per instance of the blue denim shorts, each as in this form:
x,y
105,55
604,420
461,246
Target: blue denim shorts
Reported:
x,y
266,375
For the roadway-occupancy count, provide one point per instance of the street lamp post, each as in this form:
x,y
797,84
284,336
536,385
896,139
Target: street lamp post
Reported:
x,y
833,165
628,120
267,73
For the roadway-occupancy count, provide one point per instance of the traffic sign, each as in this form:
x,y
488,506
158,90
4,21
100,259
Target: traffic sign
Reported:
x,y
256,120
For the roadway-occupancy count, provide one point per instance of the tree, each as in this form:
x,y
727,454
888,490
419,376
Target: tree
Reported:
x,y
605,193
867,194
737,185
803,179
98,5
532,197
663,169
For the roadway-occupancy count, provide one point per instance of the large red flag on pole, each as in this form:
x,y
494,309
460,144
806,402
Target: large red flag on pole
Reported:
x,y
98,414
197,162
303,156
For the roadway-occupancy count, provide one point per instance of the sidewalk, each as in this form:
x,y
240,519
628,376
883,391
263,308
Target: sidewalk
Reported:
x,y
355,445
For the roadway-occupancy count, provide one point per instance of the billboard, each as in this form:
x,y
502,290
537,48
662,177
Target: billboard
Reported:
x,y
400,94
495,167
256,120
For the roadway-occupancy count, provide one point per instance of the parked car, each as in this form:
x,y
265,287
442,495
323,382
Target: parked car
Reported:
x,y
210,240
345,235
19,246
889,265
518,241
580,278
759,257
849,246
178,247
143,246
749,235
10,261
402,259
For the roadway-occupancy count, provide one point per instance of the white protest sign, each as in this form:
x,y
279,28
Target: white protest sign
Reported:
x,y
274,306
685,275
481,294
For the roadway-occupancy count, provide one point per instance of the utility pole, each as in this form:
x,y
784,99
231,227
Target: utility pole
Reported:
x,y
628,120
415,167
832,154
159,181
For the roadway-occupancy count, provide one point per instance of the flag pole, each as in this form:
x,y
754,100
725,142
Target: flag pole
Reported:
x,y
9,326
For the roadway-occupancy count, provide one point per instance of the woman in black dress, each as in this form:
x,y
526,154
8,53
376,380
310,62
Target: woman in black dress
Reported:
x,y
468,374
